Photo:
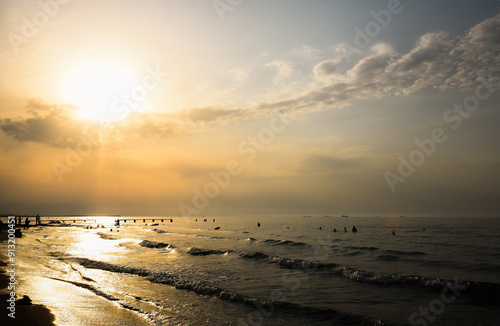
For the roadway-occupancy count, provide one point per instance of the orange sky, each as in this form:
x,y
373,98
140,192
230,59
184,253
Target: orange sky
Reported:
x,y
133,108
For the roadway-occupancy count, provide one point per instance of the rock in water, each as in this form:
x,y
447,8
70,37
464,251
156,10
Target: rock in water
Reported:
x,y
25,301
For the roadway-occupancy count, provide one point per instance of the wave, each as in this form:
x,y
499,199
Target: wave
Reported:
x,y
220,238
94,264
384,255
363,248
438,263
280,261
301,264
291,243
489,293
177,281
404,253
254,255
107,236
160,231
153,244
196,235
212,237
378,278
81,275
205,252
387,258
88,287
288,262
354,253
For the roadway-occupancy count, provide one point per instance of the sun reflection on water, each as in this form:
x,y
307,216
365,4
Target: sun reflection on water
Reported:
x,y
92,245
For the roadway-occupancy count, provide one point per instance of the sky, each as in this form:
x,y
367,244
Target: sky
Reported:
x,y
238,107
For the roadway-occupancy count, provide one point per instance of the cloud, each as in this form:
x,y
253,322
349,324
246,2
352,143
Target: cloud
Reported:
x,y
477,54
283,71
210,114
47,124
143,127
369,71
57,126
438,61
326,68
425,66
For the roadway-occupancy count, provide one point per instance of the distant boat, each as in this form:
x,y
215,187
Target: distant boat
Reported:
x,y
345,215
306,216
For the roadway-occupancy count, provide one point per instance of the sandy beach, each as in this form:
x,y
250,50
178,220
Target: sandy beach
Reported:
x,y
34,314
69,302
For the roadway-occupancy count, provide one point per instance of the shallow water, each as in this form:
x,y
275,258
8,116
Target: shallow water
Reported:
x,y
288,271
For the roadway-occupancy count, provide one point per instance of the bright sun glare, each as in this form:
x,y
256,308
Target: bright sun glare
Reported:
x,y
95,87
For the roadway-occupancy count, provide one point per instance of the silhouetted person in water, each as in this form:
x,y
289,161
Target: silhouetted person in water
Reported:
x,y
354,230
393,233
26,223
320,228
334,230
258,224
37,219
345,229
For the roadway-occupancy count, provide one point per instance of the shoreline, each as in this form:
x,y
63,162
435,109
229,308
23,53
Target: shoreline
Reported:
x,y
33,314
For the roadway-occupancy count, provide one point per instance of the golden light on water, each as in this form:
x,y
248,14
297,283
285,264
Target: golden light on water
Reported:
x,y
92,245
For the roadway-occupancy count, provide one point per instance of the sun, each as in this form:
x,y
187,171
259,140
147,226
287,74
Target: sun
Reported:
x,y
96,88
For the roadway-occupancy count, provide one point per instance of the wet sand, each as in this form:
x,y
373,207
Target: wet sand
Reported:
x,y
35,314
69,304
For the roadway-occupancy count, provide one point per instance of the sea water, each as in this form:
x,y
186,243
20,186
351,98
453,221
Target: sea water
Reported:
x,y
287,271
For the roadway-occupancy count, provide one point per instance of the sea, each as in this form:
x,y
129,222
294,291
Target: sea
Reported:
x,y
262,270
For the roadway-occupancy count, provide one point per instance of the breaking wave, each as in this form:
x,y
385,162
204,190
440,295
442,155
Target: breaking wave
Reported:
x,y
280,261
107,236
301,264
486,291
176,280
275,242
160,231
153,244
205,252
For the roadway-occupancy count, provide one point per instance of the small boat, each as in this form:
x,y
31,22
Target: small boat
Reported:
x,y
345,215
217,228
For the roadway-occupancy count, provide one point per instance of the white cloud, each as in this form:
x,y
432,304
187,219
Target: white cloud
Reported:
x,y
438,61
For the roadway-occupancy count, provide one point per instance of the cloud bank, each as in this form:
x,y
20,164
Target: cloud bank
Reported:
x,y
438,61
